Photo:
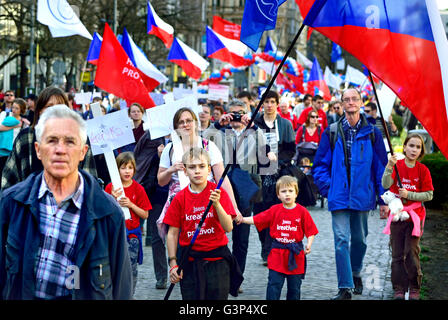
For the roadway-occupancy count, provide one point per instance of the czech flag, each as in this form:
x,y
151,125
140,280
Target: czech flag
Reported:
x,y
226,50
158,27
151,76
403,43
316,80
94,49
189,60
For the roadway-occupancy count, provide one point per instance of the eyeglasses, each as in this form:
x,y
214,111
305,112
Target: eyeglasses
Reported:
x,y
367,111
336,108
353,99
315,117
9,95
183,123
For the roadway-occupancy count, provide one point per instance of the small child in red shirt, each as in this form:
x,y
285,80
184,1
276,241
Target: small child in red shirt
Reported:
x,y
405,235
206,274
289,222
136,199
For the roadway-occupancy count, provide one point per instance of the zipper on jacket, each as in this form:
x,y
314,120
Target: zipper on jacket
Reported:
x,y
362,150
101,270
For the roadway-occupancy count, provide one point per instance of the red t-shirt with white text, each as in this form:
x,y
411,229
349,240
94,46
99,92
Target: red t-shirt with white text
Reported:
x,y
416,179
137,194
286,226
185,212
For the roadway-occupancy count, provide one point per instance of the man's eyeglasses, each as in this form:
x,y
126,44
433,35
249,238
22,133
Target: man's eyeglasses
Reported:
x,y
353,99
9,95
367,111
183,123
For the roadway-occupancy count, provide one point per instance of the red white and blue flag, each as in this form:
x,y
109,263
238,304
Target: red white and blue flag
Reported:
x,y
226,49
403,43
151,76
316,82
189,60
158,27
94,49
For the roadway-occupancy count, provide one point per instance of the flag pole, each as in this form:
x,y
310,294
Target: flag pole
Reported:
x,y
383,122
229,165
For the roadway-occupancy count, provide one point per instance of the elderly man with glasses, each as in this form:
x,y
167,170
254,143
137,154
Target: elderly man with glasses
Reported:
x,y
347,170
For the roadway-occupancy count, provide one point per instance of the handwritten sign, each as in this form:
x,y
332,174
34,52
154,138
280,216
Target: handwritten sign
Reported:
x,y
108,153
109,132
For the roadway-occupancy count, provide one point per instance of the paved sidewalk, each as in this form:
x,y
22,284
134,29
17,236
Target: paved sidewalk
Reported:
x,y
320,282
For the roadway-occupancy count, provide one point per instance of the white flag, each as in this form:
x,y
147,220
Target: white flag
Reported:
x,y
355,76
304,60
331,79
60,19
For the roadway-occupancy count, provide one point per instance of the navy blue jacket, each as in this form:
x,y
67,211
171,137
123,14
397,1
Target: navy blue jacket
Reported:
x,y
101,250
367,166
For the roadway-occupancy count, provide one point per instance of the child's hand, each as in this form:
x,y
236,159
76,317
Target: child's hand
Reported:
x,y
215,195
125,202
174,277
116,193
403,193
307,249
392,161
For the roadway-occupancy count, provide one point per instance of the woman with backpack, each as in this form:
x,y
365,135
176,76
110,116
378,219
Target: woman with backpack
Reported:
x,y
308,137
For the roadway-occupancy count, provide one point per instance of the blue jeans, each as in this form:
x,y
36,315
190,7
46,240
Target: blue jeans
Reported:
x,y
350,233
275,285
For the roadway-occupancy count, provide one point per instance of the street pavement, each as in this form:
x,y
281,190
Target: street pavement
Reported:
x,y
320,282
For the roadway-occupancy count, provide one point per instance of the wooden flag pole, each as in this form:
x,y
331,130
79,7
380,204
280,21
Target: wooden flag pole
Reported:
x,y
383,122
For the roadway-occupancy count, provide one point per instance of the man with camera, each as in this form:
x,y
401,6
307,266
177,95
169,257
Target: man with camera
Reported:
x,y
250,156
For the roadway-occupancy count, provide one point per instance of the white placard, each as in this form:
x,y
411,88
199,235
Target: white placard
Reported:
x,y
110,159
218,91
160,118
109,132
180,93
83,97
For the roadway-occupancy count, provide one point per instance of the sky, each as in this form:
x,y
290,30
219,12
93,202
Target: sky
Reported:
x,y
442,4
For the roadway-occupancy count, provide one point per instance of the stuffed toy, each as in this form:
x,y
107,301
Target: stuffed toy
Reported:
x,y
395,206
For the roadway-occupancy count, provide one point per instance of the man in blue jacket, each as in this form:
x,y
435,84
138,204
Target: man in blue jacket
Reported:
x,y
61,236
347,169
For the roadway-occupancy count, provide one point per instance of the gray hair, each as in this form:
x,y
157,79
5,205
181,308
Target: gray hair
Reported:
x,y
237,103
61,111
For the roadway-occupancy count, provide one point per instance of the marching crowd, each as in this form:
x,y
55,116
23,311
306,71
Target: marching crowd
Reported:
x,y
63,234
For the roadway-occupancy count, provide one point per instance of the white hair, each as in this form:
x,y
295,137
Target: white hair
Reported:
x,y
61,111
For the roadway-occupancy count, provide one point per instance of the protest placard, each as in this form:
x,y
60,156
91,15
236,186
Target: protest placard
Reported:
x,y
106,135
217,92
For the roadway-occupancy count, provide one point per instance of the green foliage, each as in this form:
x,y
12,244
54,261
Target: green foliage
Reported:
x,y
438,166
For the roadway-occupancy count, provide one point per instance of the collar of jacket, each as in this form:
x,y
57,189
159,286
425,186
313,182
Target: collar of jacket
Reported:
x,y
98,207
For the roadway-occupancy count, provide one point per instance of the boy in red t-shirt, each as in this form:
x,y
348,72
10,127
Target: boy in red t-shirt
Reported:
x,y
288,223
206,274
136,199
